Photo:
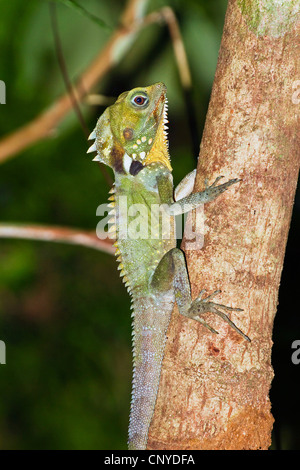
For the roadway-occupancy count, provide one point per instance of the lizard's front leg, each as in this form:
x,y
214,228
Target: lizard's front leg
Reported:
x,y
192,200
171,273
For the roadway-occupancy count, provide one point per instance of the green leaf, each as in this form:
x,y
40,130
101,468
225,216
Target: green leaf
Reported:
x,y
77,7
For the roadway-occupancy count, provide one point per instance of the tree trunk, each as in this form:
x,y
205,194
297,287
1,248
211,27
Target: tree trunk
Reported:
x,y
214,388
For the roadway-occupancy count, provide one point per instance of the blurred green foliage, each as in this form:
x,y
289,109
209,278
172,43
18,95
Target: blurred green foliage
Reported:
x,y
64,313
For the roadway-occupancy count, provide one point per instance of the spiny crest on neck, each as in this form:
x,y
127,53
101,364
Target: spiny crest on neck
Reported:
x,y
132,133
113,234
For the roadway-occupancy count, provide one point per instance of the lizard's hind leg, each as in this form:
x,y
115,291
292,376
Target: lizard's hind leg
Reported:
x,y
200,306
171,273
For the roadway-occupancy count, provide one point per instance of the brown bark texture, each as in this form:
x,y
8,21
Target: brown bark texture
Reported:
x,y
214,389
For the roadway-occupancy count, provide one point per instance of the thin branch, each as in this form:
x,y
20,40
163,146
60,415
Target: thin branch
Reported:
x,y
184,75
63,68
44,124
132,21
178,46
68,83
57,234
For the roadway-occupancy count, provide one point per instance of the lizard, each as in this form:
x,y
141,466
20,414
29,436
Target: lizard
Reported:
x,y
131,138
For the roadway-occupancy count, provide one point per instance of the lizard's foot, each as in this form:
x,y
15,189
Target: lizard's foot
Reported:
x,y
200,306
214,191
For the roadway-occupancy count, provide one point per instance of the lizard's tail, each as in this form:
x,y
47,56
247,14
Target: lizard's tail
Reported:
x,y
149,336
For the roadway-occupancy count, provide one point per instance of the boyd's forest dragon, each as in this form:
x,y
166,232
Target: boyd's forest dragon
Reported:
x,y
131,138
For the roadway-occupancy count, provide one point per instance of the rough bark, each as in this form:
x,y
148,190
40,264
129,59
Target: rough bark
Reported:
x,y
214,389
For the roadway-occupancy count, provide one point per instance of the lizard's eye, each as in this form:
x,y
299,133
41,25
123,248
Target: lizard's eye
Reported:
x,y
140,100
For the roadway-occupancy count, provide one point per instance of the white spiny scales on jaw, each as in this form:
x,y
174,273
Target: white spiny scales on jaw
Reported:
x,y
92,135
127,161
92,148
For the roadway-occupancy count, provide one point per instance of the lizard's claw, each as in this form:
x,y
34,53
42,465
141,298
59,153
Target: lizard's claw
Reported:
x,y
200,306
214,191
214,183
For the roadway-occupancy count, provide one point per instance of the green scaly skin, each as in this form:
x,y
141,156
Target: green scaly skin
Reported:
x,y
130,137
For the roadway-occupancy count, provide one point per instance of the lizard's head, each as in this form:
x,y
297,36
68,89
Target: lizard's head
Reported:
x,y
131,133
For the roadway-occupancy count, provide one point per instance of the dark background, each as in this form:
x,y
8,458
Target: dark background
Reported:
x,y
64,313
